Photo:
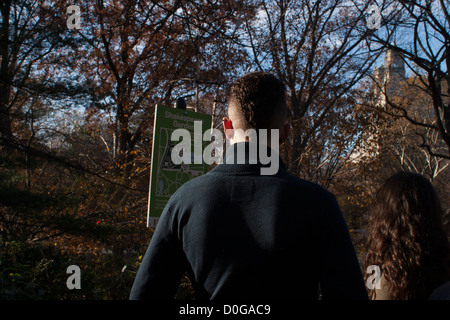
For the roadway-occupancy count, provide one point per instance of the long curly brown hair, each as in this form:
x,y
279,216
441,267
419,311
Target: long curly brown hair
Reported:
x,y
406,238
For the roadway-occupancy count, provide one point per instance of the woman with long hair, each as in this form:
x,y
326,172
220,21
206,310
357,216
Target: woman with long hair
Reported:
x,y
406,239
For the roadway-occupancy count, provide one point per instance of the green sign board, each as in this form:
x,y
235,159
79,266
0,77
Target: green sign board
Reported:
x,y
166,176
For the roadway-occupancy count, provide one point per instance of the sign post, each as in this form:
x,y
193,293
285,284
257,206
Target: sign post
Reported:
x,y
165,176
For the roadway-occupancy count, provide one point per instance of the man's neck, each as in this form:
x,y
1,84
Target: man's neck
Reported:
x,y
267,137
248,152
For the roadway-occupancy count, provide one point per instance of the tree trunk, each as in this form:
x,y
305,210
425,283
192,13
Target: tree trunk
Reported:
x,y
5,81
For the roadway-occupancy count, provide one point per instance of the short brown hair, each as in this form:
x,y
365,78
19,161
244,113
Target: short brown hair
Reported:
x,y
257,97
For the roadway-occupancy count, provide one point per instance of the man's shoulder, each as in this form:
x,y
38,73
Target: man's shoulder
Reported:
x,y
305,185
210,182
194,185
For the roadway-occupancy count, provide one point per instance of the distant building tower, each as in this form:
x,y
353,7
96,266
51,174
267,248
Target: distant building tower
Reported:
x,y
389,77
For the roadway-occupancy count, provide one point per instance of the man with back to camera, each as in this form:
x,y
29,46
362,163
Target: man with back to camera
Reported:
x,y
241,234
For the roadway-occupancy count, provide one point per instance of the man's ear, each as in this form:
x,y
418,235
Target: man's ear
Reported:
x,y
228,128
284,132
